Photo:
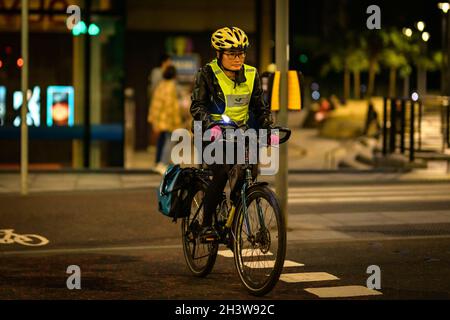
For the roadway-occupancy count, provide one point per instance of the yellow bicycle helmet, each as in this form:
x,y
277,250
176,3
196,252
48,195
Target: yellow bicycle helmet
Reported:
x,y
229,39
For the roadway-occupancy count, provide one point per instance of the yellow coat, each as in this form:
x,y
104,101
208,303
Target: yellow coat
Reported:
x,y
165,113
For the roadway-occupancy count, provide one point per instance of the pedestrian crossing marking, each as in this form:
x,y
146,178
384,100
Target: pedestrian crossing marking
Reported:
x,y
353,193
270,264
343,292
414,198
368,188
245,252
225,253
307,277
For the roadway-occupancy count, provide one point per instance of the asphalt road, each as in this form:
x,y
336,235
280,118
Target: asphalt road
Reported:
x,y
127,250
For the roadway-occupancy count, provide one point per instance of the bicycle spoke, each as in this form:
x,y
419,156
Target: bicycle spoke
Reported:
x,y
260,256
199,256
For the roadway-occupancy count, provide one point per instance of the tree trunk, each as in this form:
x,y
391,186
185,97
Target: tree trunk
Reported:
x,y
356,84
371,85
421,81
392,82
346,84
406,87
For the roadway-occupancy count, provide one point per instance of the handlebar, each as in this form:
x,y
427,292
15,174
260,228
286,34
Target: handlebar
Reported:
x,y
232,125
287,132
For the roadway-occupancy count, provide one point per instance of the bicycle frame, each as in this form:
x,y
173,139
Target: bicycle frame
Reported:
x,y
248,183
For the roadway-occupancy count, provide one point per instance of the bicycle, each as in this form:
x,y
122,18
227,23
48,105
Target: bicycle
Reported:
x,y
243,227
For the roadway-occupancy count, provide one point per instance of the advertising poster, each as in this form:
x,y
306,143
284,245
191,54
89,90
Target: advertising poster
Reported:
x,y
60,106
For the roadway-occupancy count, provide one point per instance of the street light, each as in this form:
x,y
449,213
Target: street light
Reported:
x,y
420,26
425,36
444,6
407,32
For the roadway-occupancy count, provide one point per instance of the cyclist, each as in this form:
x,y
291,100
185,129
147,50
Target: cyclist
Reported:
x,y
227,86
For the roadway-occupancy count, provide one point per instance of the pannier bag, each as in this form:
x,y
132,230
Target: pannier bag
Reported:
x,y
173,194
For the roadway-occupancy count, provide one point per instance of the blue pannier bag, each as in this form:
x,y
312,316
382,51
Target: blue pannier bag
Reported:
x,y
173,193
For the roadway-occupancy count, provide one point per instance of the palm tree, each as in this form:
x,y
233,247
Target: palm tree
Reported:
x,y
338,62
394,56
405,73
344,55
357,62
372,43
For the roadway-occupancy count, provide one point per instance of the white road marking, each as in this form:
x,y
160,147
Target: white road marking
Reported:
x,y
412,198
378,193
371,188
366,239
307,277
270,264
87,250
343,194
225,253
245,252
343,292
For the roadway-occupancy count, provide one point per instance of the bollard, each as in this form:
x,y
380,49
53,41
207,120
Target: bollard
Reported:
x,y
393,128
384,126
402,129
448,124
411,133
420,125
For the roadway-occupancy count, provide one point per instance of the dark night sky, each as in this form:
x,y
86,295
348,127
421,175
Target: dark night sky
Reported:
x,y
310,17
320,19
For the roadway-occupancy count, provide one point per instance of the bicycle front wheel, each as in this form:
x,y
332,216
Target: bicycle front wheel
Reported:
x,y
200,257
260,241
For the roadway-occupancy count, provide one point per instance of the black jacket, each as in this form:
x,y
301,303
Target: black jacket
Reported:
x,y
207,98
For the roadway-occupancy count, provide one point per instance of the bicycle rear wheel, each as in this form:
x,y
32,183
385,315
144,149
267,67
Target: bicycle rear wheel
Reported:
x,y
260,241
200,257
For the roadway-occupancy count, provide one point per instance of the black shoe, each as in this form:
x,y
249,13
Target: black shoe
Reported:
x,y
208,234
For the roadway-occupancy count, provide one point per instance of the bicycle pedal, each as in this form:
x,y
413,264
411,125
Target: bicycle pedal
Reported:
x,y
209,238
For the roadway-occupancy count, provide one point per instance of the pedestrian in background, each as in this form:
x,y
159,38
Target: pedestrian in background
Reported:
x,y
155,76
165,116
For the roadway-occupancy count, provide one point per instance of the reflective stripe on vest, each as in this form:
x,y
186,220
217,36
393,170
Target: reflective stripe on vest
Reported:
x,y
237,98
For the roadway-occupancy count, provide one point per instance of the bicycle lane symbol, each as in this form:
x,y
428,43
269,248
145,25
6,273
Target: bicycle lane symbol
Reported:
x,y
7,236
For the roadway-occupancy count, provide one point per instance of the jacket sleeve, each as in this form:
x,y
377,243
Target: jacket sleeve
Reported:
x,y
259,107
200,101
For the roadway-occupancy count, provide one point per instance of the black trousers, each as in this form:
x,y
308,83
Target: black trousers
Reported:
x,y
220,175
215,190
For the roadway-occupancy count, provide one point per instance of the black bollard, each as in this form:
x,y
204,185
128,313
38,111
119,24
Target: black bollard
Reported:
x,y
402,129
393,129
411,133
384,126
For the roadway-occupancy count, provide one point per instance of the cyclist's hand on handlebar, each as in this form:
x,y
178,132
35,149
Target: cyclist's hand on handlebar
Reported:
x,y
216,132
274,140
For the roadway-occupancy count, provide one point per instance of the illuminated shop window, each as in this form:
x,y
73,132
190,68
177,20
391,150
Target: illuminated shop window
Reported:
x,y
60,106
34,107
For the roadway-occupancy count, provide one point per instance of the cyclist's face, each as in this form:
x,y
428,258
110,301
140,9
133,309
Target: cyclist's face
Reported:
x,y
233,60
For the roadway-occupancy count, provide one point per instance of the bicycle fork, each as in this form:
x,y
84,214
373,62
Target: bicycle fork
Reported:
x,y
244,205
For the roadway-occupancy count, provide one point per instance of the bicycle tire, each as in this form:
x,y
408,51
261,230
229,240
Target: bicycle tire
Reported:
x,y
189,233
244,263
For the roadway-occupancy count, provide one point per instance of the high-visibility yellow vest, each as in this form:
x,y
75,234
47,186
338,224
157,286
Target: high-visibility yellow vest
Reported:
x,y
237,97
